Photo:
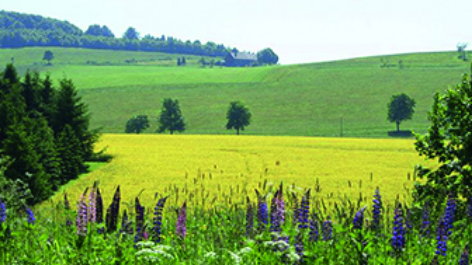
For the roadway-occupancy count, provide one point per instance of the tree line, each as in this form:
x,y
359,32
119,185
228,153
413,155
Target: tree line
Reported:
x,y
172,120
44,132
23,30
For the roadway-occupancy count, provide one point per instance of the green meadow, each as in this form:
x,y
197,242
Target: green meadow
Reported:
x,y
299,100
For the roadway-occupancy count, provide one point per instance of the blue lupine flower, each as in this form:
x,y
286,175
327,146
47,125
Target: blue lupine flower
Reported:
x,y
157,220
274,220
425,223
358,221
449,214
262,213
377,209
30,216
465,256
139,221
314,230
304,211
3,212
327,229
398,238
441,239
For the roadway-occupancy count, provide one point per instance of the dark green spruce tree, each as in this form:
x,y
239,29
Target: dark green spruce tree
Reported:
x,y
26,165
68,149
70,110
47,95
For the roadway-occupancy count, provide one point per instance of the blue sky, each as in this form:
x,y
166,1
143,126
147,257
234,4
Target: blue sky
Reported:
x,y
299,31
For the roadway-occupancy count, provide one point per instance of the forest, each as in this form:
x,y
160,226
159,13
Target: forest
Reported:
x,y
24,30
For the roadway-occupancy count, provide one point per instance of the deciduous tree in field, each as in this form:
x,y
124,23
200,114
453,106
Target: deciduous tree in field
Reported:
x,y
400,108
137,124
171,118
238,116
48,56
267,56
448,141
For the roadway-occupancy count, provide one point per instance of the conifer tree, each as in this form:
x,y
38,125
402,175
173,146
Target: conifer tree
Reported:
x,y
26,164
68,149
47,94
30,92
71,111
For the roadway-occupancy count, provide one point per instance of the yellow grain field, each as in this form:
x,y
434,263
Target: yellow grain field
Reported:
x,y
204,169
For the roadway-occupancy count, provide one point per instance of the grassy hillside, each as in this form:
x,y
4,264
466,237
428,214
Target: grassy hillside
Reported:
x,y
225,166
304,100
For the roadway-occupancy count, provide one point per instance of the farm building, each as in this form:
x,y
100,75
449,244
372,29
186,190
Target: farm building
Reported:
x,y
239,59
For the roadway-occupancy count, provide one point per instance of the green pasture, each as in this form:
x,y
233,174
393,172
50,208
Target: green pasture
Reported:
x,y
304,100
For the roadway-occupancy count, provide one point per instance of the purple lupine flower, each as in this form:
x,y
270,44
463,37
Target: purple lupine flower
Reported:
x,y
67,207
279,201
113,211
425,223
81,216
262,213
304,211
181,228
139,221
441,239
465,256
314,229
449,214
358,221
398,237
327,229
157,220
91,206
3,212
99,210
30,216
377,209
249,218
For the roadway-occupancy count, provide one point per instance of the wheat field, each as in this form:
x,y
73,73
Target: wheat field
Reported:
x,y
204,170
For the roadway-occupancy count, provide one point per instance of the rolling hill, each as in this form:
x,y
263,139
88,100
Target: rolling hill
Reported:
x,y
303,100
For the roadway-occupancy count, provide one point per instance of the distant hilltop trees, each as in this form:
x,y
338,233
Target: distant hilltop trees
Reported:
x,y
23,30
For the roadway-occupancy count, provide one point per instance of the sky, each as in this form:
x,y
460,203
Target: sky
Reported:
x,y
299,31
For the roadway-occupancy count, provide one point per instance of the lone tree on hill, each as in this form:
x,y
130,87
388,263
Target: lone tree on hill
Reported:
x,y
448,141
461,50
48,56
171,118
238,116
137,124
400,108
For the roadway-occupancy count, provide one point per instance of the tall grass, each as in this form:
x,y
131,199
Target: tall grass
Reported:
x,y
285,226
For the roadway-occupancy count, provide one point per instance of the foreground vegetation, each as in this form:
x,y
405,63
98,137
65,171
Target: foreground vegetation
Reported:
x,y
283,227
